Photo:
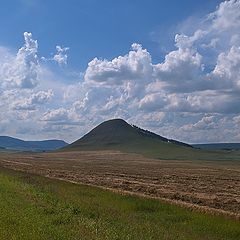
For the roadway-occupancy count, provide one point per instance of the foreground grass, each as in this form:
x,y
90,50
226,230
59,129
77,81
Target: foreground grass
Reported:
x,y
33,207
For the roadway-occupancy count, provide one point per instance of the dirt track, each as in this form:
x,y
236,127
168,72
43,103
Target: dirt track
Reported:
x,y
214,185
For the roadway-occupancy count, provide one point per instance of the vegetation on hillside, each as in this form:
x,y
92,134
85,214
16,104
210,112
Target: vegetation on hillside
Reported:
x,y
117,134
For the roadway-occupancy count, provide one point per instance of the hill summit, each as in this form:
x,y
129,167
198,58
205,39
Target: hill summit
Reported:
x,y
117,134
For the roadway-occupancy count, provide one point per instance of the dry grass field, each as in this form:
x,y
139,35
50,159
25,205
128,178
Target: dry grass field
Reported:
x,y
212,186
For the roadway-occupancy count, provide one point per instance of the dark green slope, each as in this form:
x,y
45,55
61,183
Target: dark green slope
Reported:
x,y
116,134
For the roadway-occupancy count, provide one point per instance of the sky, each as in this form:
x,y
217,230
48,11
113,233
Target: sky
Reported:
x,y
172,67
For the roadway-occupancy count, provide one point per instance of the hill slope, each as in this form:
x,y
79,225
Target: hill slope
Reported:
x,y
18,144
117,134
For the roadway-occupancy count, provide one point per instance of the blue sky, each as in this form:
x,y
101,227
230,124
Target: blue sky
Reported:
x,y
96,28
168,66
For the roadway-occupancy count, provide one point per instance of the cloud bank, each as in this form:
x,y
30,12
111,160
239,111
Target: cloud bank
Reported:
x,y
192,95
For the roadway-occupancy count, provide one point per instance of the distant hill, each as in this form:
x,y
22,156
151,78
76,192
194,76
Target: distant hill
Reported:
x,y
117,134
18,144
218,146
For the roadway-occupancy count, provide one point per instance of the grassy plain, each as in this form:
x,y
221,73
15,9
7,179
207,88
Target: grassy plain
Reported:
x,y
34,207
214,185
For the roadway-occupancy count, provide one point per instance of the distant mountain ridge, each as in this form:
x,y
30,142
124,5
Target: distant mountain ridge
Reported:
x,y
117,134
11,143
218,146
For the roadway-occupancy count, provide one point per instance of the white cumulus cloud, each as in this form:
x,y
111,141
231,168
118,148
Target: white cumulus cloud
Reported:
x,y
194,90
61,56
21,71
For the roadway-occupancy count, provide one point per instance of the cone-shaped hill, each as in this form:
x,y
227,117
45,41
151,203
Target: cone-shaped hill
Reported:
x,y
117,134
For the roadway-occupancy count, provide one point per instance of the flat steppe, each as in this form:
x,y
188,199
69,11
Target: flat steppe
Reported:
x,y
211,186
